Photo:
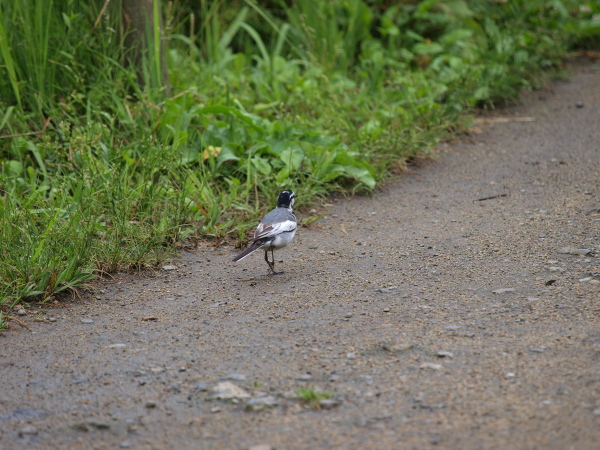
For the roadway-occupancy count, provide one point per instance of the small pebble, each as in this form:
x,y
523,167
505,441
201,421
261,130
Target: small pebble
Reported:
x,y
347,316
329,403
445,354
150,404
574,251
261,403
226,390
169,267
503,290
21,312
304,377
87,321
235,377
51,319
27,431
386,309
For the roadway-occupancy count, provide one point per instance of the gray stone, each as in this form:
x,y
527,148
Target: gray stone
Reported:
x,y
202,387
87,321
27,431
235,377
80,426
388,290
329,403
444,354
169,267
574,251
430,366
503,290
21,312
227,391
304,377
397,347
260,403
98,425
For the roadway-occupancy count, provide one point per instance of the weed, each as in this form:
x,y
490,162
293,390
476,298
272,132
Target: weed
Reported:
x,y
3,322
312,397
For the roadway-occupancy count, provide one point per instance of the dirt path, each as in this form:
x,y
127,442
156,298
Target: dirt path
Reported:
x,y
433,318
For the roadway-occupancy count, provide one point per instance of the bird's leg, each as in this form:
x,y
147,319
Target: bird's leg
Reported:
x,y
273,264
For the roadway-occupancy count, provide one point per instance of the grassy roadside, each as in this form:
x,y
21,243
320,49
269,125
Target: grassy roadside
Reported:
x,y
98,173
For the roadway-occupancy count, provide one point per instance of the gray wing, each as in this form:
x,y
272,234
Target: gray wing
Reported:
x,y
278,215
280,220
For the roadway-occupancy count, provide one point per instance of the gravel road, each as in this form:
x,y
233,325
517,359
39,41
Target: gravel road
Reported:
x,y
459,308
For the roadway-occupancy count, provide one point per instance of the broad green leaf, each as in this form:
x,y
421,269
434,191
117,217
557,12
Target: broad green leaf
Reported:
x,y
361,175
15,167
282,176
261,164
292,157
226,154
427,49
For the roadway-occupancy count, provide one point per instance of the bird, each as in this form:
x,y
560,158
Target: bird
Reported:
x,y
276,230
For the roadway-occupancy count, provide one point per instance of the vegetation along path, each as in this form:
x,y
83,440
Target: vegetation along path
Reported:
x,y
458,307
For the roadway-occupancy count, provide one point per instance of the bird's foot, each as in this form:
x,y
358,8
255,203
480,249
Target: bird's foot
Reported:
x,y
272,270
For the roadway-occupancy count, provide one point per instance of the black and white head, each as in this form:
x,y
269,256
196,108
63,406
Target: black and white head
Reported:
x,y
286,199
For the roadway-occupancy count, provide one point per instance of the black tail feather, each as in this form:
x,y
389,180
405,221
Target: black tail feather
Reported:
x,y
250,249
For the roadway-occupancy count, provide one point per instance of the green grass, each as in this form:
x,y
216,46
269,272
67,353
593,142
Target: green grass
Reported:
x,y
312,397
102,173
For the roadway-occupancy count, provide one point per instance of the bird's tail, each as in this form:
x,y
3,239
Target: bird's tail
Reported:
x,y
250,249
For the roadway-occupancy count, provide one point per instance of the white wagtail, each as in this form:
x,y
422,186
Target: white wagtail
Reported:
x,y
275,230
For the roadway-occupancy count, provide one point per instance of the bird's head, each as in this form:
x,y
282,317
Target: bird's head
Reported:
x,y
286,199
